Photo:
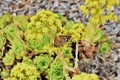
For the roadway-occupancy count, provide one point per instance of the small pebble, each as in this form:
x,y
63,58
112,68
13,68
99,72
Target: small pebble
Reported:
x,y
118,39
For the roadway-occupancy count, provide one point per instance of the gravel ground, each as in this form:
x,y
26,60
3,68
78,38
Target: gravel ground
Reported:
x,y
69,9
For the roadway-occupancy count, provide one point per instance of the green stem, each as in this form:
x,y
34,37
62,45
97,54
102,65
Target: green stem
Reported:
x,y
66,68
76,56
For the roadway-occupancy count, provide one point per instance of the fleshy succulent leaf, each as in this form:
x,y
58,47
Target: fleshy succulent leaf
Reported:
x,y
18,48
21,21
43,62
56,71
2,40
105,47
9,58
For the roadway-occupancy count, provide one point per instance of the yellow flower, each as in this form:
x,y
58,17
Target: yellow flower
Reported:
x,y
111,16
82,7
103,20
93,11
101,11
102,1
117,2
111,2
108,7
115,18
45,30
87,1
95,20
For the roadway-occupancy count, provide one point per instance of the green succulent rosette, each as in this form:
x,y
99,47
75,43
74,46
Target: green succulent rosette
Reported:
x,y
56,71
43,62
105,47
9,58
4,74
18,48
36,41
11,32
68,52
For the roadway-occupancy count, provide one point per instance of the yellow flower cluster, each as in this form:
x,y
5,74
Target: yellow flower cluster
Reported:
x,y
26,72
42,30
85,76
96,9
45,20
77,32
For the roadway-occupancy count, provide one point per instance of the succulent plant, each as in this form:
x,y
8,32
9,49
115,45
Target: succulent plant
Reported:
x,y
21,21
27,60
77,31
68,53
5,20
94,34
1,54
42,29
105,47
4,73
10,31
56,71
36,41
23,71
9,59
43,62
85,76
18,48
2,40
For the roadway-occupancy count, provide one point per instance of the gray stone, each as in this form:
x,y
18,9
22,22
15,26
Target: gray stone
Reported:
x,y
118,78
5,4
1,14
43,3
20,12
73,15
73,6
118,39
114,55
14,14
115,31
119,52
56,3
117,12
113,38
18,3
39,1
119,17
9,0
0,10
107,28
